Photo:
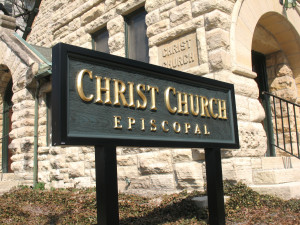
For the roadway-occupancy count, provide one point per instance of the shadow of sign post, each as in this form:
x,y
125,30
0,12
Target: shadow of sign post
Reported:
x,y
106,101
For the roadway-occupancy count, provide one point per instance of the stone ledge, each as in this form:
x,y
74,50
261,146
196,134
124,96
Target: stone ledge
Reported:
x,y
276,176
285,191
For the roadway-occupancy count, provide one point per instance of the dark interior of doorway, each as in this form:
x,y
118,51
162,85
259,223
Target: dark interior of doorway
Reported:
x,y
259,67
7,126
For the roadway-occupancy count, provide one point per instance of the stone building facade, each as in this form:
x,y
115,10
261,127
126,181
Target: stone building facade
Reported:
x,y
224,35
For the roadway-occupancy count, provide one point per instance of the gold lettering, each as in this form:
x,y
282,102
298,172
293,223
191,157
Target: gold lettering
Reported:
x,y
79,85
187,127
167,99
163,125
176,127
117,122
131,121
143,124
120,92
211,109
204,107
197,129
105,89
205,130
139,89
222,109
131,98
153,125
192,106
183,103
152,94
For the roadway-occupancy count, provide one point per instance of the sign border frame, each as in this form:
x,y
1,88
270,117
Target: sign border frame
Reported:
x,y
60,54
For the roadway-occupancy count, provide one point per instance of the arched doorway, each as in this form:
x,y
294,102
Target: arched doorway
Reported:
x,y
274,43
7,113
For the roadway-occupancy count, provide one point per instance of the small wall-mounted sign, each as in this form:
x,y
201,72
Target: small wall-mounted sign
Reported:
x,y
180,53
100,99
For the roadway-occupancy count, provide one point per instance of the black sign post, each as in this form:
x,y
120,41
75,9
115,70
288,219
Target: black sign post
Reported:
x,y
214,180
107,101
106,185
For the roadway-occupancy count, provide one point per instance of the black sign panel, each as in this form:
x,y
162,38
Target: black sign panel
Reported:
x,y
101,99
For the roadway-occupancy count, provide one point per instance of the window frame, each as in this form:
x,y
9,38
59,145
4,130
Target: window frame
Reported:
x,y
100,31
126,22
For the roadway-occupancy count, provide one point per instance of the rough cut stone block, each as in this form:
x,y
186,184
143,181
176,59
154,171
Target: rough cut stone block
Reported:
x,y
128,172
201,70
154,4
72,155
288,94
128,6
242,107
76,169
116,42
120,52
17,166
285,191
155,163
181,1
158,27
82,182
219,59
217,38
57,162
165,181
282,82
44,166
172,33
180,14
182,155
127,160
104,18
217,19
198,154
252,139
165,8
278,176
152,17
116,25
202,7
257,112
229,173
225,6
189,174
54,150
89,157
139,183
56,175
26,144
242,85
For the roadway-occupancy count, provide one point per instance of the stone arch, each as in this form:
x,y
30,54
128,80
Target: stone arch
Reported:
x,y
283,24
19,64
